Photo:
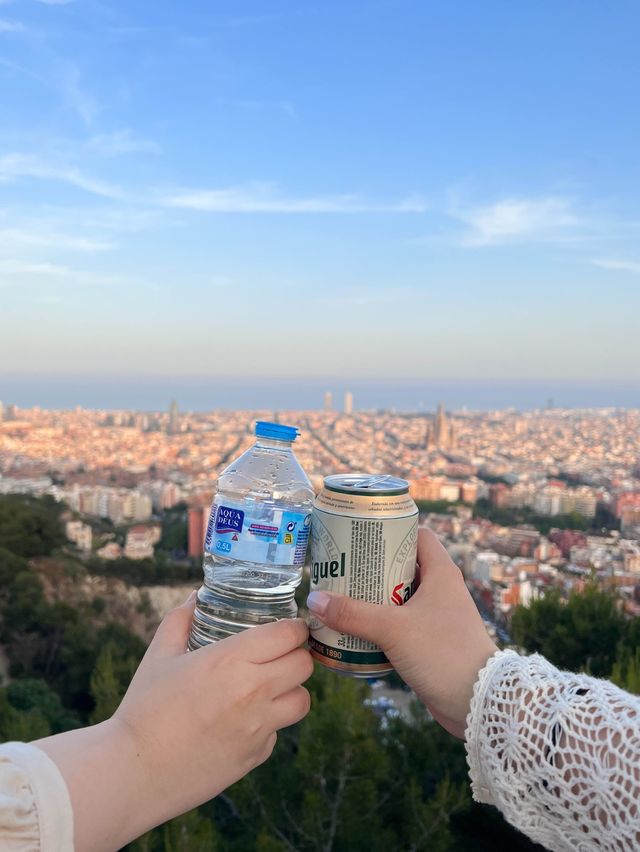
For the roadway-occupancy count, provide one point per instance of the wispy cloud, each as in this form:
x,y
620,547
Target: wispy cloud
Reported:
x,y
56,2
62,77
19,267
265,198
517,220
68,81
13,239
11,26
19,273
15,166
617,264
122,141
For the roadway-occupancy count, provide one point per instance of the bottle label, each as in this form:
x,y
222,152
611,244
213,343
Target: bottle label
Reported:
x,y
258,533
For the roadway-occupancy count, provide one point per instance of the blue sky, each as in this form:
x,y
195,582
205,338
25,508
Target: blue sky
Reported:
x,y
395,190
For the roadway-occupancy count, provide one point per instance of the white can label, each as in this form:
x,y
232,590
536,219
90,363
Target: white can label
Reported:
x,y
370,559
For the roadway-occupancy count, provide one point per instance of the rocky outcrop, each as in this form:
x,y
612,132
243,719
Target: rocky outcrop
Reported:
x,y
139,608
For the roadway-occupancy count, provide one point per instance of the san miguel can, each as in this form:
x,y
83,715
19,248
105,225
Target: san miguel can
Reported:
x,y
364,532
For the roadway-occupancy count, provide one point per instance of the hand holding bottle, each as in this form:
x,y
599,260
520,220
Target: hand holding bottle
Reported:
x,y
189,725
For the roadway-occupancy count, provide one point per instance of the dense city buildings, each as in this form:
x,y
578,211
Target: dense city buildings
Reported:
x,y
524,501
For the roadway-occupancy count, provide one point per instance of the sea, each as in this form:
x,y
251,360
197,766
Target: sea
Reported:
x,y
197,393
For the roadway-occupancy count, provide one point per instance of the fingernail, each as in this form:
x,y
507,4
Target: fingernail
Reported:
x,y
191,598
318,602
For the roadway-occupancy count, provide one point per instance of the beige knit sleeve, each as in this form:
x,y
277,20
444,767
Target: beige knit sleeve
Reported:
x,y
35,809
557,753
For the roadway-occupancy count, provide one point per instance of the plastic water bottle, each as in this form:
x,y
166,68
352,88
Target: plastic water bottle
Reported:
x,y
256,539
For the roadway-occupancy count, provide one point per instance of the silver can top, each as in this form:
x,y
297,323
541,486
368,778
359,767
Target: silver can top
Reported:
x,y
374,484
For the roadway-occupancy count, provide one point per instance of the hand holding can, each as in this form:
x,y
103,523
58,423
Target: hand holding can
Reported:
x,y
437,642
363,544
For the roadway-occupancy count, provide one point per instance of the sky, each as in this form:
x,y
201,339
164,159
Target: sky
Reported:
x,y
391,191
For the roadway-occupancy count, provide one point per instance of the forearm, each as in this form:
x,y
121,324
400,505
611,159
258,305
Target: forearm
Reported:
x,y
110,790
557,753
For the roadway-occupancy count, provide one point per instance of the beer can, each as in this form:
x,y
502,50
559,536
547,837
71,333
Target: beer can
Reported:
x,y
364,532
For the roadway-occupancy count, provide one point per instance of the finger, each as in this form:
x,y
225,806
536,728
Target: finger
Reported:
x,y
357,618
432,556
172,634
290,708
268,642
289,671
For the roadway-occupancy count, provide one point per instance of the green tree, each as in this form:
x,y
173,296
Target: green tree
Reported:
x,y
56,643
20,725
438,507
128,649
146,572
35,694
10,566
343,780
321,790
579,634
341,756
30,526
191,832
626,670
105,689
174,530
510,517
428,820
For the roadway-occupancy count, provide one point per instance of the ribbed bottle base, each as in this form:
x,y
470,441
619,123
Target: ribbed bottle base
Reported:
x,y
222,612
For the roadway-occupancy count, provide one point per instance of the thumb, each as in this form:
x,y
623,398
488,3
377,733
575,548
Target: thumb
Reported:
x,y
371,622
172,634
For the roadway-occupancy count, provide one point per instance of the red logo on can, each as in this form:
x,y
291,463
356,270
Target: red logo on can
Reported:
x,y
402,592
396,597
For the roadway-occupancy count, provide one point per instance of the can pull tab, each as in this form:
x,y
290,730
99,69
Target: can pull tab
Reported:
x,y
372,482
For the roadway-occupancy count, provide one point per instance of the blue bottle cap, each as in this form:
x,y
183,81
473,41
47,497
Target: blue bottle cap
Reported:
x,y
276,431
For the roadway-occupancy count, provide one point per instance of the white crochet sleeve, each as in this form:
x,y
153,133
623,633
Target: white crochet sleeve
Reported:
x,y
557,753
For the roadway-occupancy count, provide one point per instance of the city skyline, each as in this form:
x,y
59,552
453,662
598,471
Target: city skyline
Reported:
x,y
155,393
131,466
407,188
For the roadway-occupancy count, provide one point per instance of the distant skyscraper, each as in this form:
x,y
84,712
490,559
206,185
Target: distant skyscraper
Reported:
x,y
328,401
174,424
348,403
